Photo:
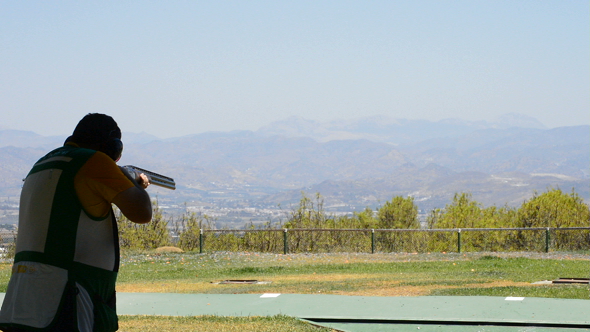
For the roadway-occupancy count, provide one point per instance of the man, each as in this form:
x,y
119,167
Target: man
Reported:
x,y
67,248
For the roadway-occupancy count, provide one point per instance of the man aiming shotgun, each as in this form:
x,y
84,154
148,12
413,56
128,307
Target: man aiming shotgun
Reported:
x,y
154,178
67,249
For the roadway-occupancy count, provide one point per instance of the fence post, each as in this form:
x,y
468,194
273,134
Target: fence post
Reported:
x,y
547,239
459,240
372,241
285,243
200,241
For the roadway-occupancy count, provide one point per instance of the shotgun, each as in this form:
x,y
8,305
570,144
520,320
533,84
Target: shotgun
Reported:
x,y
155,178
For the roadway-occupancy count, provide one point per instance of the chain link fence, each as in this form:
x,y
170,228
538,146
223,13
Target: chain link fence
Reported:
x,y
7,243
396,240
299,240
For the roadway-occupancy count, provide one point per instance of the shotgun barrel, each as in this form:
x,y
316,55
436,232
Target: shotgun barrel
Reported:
x,y
155,178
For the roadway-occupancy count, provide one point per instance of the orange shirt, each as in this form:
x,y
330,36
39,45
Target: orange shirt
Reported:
x,y
98,182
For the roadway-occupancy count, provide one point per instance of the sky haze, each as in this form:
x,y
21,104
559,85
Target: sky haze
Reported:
x,y
173,68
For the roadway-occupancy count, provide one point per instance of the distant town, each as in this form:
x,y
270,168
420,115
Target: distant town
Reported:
x,y
239,178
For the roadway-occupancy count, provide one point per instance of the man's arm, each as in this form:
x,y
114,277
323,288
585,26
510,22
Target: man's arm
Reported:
x,y
135,202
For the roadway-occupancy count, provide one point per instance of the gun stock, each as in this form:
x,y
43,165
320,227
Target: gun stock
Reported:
x,y
155,178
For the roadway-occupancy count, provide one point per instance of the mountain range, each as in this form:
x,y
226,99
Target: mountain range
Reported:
x,y
351,163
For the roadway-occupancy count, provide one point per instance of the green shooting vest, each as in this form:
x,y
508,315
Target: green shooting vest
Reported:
x,y
66,261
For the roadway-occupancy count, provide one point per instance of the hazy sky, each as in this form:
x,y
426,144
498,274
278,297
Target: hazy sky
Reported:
x,y
173,68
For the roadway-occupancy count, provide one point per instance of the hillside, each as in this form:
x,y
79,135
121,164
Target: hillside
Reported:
x,y
431,161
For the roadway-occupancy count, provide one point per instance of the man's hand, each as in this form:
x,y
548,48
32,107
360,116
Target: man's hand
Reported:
x,y
135,202
144,180
140,179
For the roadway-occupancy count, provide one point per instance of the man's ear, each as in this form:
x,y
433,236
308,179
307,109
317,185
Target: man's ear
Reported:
x,y
112,148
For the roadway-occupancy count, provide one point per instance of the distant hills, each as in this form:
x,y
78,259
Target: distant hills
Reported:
x,y
390,130
352,163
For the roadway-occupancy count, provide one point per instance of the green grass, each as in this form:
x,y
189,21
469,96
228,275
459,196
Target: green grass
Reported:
x,y
215,324
439,274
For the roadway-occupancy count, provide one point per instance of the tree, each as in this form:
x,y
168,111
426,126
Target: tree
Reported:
x,y
144,236
399,213
189,233
365,219
463,212
308,215
555,209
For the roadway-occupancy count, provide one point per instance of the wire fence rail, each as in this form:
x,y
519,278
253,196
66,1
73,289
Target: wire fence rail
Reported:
x,y
324,240
298,240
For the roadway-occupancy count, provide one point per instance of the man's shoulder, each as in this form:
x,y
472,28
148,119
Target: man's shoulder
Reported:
x,y
69,151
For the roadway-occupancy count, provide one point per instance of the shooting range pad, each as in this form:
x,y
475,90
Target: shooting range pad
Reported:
x,y
373,313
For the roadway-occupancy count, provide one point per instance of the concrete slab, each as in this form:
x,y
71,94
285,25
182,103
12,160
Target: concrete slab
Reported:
x,y
375,327
426,311
372,313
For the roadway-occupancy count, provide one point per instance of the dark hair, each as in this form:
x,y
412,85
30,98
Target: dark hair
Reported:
x,y
99,132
